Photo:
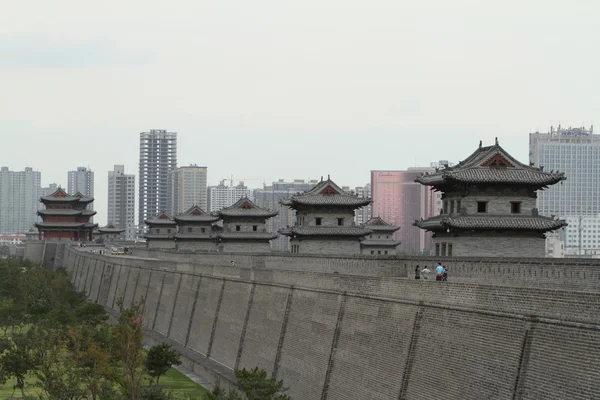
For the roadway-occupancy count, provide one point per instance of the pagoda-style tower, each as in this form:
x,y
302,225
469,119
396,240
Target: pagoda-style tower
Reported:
x,y
244,229
195,230
489,204
110,232
65,217
325,221
161,232
380,242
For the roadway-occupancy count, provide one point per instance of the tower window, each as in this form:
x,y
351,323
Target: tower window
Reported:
x,y
318,221
254,228
340,221
238,228
482,206
515,207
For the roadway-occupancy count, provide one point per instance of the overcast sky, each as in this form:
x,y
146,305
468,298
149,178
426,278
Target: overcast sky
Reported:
x,y
263,90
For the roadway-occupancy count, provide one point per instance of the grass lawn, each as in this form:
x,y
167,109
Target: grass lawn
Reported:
x,y
173,380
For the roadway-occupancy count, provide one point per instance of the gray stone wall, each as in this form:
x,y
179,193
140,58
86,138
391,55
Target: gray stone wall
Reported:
x,y
247,246
197,245
320,245
341,336
328,217
491,245
160,244
245,224
378,250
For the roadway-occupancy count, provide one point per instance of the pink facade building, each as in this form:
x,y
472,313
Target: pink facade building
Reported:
x,y
399,201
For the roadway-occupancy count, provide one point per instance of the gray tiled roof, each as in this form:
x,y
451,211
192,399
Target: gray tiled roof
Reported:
x,y
325,231
68,212
472,170
248,235
161,219
326,193
377,224
244,207
60,224
474,222
196,218
110,229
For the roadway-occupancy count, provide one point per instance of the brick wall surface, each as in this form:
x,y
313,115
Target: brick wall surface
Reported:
x,y
204,314
232,315
372,350
164,311
265,322
186,296
345,336
307,343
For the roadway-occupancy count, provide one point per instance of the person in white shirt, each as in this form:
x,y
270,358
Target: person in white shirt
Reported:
x,y
426,271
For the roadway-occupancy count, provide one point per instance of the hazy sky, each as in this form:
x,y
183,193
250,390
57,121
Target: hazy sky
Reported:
x,y
288,89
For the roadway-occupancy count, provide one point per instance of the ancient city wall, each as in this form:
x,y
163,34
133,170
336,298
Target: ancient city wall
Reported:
x,y
383,336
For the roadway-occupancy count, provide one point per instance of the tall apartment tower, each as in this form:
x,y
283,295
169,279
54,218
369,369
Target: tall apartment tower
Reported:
x,y
20,193
222,196
82,181
121,200
158,157
576,152
188,188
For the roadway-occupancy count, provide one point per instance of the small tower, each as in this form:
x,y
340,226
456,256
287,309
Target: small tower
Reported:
x,y
244,229
325,221
380,242
195,230
161,232
489,209
111,232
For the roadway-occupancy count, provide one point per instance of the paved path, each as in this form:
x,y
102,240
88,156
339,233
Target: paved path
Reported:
x,y
187,372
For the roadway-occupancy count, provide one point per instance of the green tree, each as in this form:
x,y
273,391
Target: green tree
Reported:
x,y
255,385
160,358
4,251
128,333
16,361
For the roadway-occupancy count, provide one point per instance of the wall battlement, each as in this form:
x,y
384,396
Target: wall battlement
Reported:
x,y
356,328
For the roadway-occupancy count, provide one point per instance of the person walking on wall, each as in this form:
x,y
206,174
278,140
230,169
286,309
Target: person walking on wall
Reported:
x,y
445,274
439,272
426,271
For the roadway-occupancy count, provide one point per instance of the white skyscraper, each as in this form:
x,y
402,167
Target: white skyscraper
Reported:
x,y
188,188
121,200
224,196
20,193
363,214
158,157
81,181
576,152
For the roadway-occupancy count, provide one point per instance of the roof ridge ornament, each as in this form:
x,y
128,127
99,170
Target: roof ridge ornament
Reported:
x,y
480,144
496,140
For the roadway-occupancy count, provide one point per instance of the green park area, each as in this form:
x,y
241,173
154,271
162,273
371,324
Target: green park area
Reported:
x,y
57,345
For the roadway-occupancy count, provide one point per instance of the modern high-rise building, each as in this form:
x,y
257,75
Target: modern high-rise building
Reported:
x,y
158,157
399,201
20,193
268,197
363,214
188,188
51,188
222,196
576,152
121,201
81,181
